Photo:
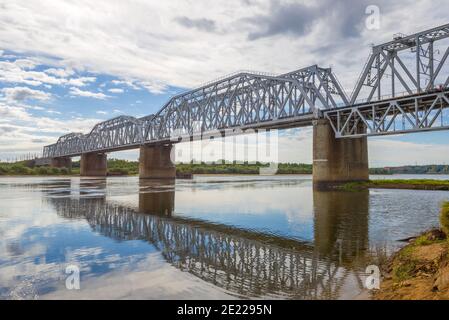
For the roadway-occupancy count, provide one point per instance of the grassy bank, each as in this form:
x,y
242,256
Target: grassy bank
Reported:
x,y
22,169
124,167
420,270
417,184
243,168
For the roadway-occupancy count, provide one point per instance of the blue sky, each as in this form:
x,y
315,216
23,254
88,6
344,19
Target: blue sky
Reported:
x,y
67,65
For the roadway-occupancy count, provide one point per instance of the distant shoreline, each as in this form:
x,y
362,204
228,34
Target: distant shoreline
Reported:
x,y
409,184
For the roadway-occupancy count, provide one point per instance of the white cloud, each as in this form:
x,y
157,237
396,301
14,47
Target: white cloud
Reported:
x,y
20,94
155,87
83,93
390,152
128,83
12,113
15,72
60,72
145,41
23,132
116,90
25,63
81,81
101,112
53,112
22,71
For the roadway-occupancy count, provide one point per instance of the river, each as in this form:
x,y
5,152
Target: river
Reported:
x,y
213,237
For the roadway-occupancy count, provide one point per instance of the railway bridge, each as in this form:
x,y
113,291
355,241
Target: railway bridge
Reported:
x,y
403,87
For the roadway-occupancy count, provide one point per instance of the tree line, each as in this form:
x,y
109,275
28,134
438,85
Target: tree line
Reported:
x,y
125,167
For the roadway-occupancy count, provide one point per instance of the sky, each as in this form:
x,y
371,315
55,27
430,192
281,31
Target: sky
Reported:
x,y
66,65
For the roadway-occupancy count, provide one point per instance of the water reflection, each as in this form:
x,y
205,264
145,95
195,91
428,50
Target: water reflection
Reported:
x,y
212,237
341,221
243,262
157,196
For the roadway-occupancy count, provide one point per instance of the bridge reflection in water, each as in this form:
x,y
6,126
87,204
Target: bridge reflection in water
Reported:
x,y
243,262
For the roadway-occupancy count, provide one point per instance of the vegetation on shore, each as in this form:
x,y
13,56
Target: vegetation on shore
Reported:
x,y
418,184
124,167
422,169
21,168
420,270
241,168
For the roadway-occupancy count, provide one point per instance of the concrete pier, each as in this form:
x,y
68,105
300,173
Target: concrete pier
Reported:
x,y
62,162
93,164
155,162
337,160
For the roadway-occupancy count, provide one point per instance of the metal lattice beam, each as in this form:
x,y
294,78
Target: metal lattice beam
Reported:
x,y
241,101
410,114
416,70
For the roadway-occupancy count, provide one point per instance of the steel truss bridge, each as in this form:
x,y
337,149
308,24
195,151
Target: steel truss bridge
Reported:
x,y
403,87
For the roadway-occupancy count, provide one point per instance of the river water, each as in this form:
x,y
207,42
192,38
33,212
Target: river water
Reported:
x,y
213,237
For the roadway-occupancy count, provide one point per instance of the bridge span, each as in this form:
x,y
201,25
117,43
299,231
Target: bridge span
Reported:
x,y
403,87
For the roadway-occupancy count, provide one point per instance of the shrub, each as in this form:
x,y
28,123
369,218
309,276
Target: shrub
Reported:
x,y
120,171
42,170
55,171
20,169
444,218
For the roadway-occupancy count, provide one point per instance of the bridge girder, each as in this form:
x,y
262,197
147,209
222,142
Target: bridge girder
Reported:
x,y
118,132
244,100
393,116
391,66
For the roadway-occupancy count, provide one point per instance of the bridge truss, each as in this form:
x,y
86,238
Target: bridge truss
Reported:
x,y
239,102
415,113
405,85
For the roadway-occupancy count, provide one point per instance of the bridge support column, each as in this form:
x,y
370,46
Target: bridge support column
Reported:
x,y
62,162
155,162
93,164
337,160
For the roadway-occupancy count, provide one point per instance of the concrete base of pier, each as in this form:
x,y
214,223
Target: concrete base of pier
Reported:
x,y
155,162
93,164
337,160
62,162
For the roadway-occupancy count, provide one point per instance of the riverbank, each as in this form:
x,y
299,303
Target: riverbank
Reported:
x,y
124,168
414,184
420,270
